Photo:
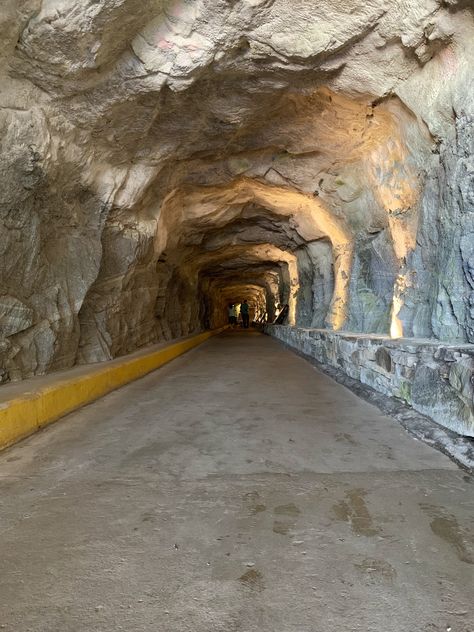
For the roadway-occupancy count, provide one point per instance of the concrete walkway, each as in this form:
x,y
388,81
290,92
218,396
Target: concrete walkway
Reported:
x,y
235,490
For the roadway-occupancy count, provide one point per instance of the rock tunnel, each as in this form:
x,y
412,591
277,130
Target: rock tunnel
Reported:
x,y
161,159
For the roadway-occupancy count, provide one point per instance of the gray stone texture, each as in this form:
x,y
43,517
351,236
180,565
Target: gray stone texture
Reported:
x,y
435,379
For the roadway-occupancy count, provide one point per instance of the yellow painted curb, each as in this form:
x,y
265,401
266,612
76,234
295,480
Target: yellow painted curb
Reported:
x,y
31,410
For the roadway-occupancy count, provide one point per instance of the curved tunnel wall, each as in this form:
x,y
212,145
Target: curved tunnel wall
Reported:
x,y
160,162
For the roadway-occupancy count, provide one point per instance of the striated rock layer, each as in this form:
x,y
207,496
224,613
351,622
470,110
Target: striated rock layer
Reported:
x,y
159,159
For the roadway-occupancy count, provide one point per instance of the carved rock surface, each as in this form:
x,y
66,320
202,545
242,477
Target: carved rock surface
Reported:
x,y
162,158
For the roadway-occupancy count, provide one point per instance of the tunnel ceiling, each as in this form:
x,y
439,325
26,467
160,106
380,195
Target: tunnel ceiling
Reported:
x,y
152,151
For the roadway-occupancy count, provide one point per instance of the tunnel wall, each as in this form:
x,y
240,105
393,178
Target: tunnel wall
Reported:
x,y
434,378
137,144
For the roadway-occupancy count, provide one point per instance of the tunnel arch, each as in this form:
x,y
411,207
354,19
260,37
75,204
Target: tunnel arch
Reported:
x,y
234,292
243,257
194,206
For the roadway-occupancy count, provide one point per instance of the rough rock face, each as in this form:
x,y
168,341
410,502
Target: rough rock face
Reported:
x,y
432,377
159,159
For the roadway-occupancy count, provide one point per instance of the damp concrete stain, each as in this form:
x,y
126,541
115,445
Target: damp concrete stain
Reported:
x,y
287,510
287,521
253,579
148,517
254,503
446,527
345,437
282,528
355,512
375,570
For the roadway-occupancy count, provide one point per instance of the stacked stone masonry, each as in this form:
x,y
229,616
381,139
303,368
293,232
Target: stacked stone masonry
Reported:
x,y
435,379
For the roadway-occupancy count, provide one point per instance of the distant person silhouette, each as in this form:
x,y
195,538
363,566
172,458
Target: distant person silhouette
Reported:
x,y
244,311
232,315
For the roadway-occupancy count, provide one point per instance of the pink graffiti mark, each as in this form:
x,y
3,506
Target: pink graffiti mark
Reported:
x,y
177,10
449,60
165,44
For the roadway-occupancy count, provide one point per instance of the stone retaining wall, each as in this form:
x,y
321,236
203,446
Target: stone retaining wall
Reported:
x,y
435,378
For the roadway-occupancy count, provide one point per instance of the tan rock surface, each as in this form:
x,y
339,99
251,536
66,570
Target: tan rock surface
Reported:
x,y
158,157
